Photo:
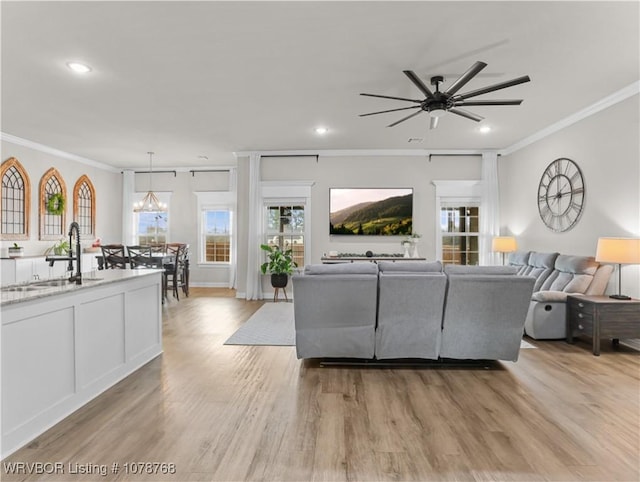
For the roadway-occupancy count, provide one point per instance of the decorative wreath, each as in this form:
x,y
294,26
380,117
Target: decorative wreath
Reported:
x,y
55,204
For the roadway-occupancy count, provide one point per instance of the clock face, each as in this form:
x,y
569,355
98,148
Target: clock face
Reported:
x,y
561,195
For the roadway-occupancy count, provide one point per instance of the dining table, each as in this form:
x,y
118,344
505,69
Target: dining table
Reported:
x,y
157,260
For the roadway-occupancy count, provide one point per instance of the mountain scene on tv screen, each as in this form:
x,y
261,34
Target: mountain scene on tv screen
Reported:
x,y
391,216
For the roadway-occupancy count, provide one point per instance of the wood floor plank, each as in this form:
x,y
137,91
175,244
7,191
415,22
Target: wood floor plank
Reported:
x,y
233,413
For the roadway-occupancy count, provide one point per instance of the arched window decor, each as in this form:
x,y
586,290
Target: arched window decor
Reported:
x,y
84,206
15,203
53,206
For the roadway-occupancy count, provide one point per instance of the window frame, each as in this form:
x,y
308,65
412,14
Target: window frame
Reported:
x,y
216,201
50,174
84,180
463,193
202,235
465,203
12,162
288,193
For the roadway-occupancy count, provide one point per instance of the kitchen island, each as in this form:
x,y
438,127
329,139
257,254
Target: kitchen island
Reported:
x,y
63,344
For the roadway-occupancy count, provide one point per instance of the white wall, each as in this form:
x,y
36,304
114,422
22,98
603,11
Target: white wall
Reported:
x,y
371,171
107,183
606,146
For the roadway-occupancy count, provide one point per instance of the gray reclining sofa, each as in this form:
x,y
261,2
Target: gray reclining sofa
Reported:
x,y
410,309
557,275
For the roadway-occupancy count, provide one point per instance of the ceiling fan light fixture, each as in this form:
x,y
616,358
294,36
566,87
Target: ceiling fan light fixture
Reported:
x,y
484,129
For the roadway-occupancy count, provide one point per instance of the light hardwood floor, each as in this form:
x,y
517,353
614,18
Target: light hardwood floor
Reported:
x,y
232,413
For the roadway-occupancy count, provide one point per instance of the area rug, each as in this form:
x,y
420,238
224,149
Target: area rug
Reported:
x,y
272,325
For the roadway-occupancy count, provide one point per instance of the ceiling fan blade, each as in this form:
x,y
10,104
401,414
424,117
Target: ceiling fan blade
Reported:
x,y
491,88
467,114
434,122
466,77
391,97
488,102
405,118
419,84
390,110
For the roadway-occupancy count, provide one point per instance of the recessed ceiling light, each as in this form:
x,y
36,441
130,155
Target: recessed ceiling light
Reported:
x,y
485,129
321,130
78,67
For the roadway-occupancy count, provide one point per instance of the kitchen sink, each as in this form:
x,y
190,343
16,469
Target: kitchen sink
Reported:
x,y
53,282
9,289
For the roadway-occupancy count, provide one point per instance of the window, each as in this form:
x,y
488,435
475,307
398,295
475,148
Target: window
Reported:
x,y
84,206
15,201
285,228
457,213
151,227
52,224
459,227
216,236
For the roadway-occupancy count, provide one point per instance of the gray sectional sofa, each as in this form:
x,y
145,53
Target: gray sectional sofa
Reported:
x,y
410,309
556,276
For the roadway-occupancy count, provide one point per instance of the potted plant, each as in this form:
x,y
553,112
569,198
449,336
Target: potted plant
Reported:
x,y
280,264
16,251
59,249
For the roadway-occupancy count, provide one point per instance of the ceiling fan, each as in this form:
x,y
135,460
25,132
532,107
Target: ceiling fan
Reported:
x,y
437,103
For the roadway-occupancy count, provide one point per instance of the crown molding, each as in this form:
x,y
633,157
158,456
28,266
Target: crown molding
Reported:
x,y
55,152
602,104
366,152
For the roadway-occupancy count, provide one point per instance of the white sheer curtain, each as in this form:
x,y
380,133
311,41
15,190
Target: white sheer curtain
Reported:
x,y
490,209
233,188
128,192
254,281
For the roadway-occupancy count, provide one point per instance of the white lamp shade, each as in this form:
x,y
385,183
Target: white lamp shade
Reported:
x,y
618,250
504,244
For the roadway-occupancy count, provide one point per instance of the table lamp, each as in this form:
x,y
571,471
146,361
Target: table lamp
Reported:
x,y
503,244
620,251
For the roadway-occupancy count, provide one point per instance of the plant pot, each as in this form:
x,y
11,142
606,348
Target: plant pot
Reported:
x,y
279,280
16,252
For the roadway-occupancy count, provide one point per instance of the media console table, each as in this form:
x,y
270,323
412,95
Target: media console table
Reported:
x,y
372,259
602,317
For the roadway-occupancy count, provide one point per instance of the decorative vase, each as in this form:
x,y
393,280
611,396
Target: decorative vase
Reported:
x,y
415,250
279,280
16,252
406,247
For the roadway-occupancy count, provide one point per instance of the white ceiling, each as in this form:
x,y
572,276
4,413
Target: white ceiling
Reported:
x,y
190,79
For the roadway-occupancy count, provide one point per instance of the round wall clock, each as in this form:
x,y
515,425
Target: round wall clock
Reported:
x,y
561,195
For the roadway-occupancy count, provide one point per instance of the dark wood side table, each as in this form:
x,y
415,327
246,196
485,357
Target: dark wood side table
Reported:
x,y
602,317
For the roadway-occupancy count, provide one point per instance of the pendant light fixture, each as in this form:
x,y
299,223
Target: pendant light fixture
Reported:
x,y
150,203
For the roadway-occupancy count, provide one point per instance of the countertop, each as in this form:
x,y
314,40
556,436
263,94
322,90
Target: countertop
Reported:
x,y
18,293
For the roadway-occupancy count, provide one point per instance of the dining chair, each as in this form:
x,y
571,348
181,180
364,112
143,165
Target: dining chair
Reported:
x,y
185,270
113,256
174,270
140,257
158,247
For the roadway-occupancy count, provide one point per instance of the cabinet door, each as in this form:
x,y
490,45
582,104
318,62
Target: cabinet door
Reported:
x,y
8,271
24,270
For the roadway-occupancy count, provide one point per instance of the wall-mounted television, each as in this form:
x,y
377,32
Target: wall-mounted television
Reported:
x,y
369,211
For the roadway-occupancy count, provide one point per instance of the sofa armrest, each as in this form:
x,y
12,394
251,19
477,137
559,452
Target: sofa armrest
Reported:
x,y
550,296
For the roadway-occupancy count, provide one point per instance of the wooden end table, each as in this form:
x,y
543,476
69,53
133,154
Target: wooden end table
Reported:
x,y
602,317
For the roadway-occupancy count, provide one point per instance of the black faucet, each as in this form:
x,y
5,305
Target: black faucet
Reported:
x,y
77,278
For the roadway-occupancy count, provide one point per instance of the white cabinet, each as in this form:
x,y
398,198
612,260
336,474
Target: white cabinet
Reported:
x,y
61,350
22,270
